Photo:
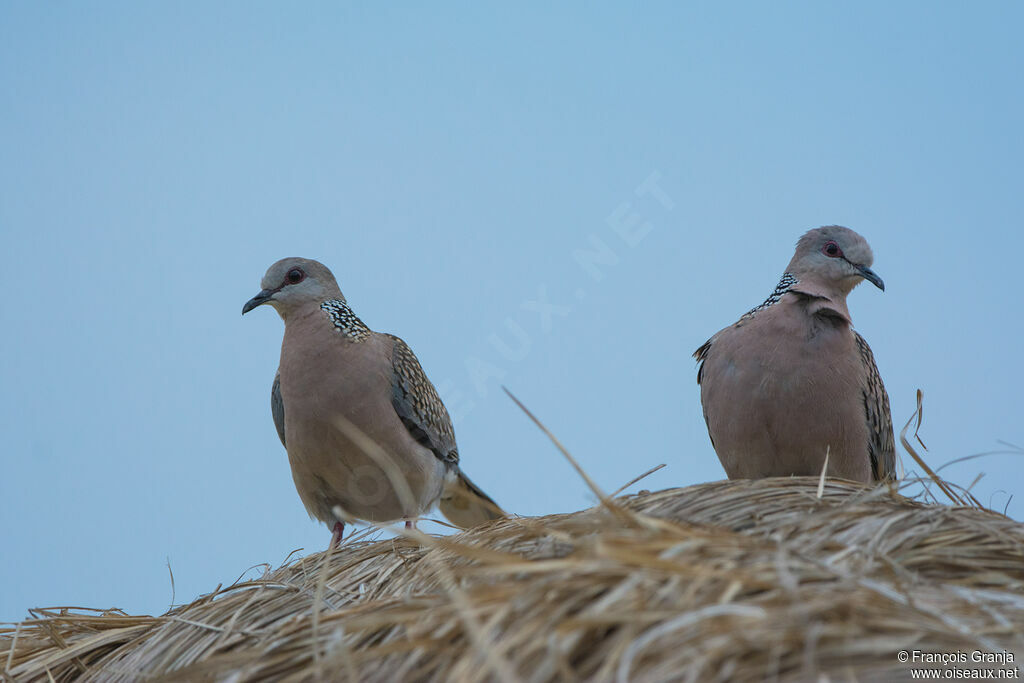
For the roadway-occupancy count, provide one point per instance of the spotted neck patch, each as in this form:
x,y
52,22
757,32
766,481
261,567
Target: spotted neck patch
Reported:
x,y
786,283
344,320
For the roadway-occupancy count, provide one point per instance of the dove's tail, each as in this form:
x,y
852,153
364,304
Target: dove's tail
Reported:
x,y
464,504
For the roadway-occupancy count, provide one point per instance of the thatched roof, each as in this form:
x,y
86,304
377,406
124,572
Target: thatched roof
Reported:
x,y
742,580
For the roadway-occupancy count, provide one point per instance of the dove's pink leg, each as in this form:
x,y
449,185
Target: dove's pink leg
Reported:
x,y
336,534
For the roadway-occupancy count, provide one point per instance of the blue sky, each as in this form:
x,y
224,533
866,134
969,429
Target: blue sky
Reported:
x,y
447,162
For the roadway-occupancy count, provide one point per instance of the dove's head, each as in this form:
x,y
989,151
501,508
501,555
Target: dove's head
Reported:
x,y
834,257
294,282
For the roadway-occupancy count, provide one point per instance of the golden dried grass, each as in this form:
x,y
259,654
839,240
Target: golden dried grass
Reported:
x,y
741,580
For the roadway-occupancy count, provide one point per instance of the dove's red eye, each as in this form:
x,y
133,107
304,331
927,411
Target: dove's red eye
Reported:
x,y
832,250
294,276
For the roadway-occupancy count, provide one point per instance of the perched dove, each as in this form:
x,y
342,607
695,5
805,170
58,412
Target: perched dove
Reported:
x,y
792,381
367,435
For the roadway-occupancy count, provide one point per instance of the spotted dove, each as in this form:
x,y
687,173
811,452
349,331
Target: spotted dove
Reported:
x,y
367,435
792,381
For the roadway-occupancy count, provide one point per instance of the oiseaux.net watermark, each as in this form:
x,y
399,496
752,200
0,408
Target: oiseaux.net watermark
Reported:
x,y
627,225
960,664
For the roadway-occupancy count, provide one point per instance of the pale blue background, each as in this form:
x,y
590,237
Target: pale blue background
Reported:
x,y
445,162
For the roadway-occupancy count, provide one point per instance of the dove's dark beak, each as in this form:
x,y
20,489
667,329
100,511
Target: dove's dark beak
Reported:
x,y
263,297
865,272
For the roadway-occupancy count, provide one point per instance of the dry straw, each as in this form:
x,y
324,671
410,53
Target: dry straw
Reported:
x,y
721,581
786,579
